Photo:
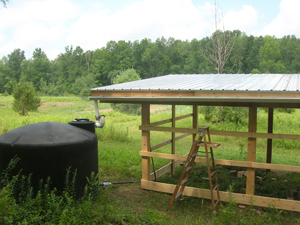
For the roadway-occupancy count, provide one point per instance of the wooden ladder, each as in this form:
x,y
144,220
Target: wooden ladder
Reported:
x,y
202,139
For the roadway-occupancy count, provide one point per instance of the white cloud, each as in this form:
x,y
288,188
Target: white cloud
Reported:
x,y
146,19
31,24
2,38
244,20
287,21
9,47
54,24
36,33
49,11
51,53
29,36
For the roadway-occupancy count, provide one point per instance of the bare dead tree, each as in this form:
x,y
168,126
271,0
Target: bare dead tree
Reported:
x,y
4,2
88,60
222,43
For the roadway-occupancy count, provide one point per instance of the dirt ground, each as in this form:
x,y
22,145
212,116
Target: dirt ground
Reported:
x,y
56,103
153,109
156,108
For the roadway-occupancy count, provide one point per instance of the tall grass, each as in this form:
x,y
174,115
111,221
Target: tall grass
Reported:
x,y
124,128
119,143
53,109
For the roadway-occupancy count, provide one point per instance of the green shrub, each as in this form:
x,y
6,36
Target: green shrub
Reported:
x,y
122,77
8,207
133,109
224,114
25,98
255,71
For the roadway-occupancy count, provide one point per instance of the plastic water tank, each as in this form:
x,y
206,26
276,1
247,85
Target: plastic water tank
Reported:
x,y
49,149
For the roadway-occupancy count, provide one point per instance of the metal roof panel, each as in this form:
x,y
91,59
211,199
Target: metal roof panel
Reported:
x,y
227,82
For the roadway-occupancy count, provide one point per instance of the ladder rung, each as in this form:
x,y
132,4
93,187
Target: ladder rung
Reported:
x,y
178,195
200,140
183,182
203,152
194,155
210,145
203,128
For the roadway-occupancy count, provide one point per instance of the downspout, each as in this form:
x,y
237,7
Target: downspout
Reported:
x,y
99,118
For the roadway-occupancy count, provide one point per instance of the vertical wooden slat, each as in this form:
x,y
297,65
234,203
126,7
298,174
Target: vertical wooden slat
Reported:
x,y
195,119
250,184
145,142
173,140
270,131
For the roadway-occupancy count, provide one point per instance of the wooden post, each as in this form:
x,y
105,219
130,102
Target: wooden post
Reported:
x,y
195,120
250,184
173,141
270,131
145,142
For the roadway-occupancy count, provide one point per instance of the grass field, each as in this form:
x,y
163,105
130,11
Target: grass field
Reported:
x,y
119,162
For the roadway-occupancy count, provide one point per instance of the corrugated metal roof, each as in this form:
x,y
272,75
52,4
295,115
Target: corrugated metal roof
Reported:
x,y
227,82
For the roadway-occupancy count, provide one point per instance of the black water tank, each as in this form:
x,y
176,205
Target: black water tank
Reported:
x,y
84,124
49,149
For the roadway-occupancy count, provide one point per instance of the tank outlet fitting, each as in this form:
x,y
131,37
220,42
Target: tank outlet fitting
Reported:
x,y
100,121
105,184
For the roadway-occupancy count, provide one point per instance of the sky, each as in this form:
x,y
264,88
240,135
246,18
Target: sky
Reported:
x,y
54,24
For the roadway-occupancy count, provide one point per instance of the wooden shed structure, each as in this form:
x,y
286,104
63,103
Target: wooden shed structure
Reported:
x,y
243,90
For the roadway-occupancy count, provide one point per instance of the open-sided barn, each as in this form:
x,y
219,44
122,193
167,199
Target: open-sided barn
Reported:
x,y
239,90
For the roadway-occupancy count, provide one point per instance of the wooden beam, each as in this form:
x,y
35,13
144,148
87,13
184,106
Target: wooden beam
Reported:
x,y
145,142
250,183
225,162
170,120
179,101
195,120
168,129
255,135
266,104
183,116
164,155
270,131
173,140
154,147
198,159
181,136
239,198
200,94
224,133
275,167
161,122
165,169
161,171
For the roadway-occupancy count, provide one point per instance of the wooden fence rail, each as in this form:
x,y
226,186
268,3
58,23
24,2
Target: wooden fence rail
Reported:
x,y
224,133
225,162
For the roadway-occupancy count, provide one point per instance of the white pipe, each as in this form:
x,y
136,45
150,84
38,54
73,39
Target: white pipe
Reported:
x,y
98,117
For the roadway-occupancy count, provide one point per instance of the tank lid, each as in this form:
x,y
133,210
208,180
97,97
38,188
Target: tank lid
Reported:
x,y
82,121
46,133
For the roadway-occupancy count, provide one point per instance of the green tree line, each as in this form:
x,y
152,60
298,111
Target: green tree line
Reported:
x,y
76,71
